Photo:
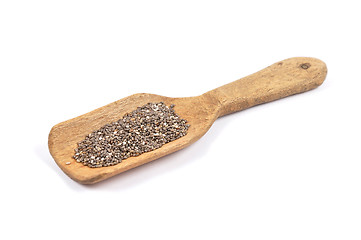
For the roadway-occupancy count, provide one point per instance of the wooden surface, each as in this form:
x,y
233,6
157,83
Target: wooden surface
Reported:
x,y
282,79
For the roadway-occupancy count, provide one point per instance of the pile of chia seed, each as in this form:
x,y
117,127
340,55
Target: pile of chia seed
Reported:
x,y
145,129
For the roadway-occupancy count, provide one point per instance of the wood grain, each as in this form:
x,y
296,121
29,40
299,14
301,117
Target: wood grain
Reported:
x,y
282,79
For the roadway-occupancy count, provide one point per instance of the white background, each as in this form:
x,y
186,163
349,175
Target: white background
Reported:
x,y
289,169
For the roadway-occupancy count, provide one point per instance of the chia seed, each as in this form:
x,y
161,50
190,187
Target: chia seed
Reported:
x,y
143,130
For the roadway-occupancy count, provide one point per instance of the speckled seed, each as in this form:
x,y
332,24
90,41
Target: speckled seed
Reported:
x,y
145,129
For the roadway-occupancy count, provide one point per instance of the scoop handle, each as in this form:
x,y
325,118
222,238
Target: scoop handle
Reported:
x,y
282,79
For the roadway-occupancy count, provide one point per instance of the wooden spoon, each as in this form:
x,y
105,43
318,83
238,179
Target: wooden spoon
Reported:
x,y
282,79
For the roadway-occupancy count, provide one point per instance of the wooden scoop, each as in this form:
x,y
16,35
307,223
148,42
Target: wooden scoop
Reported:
x,y
282,79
